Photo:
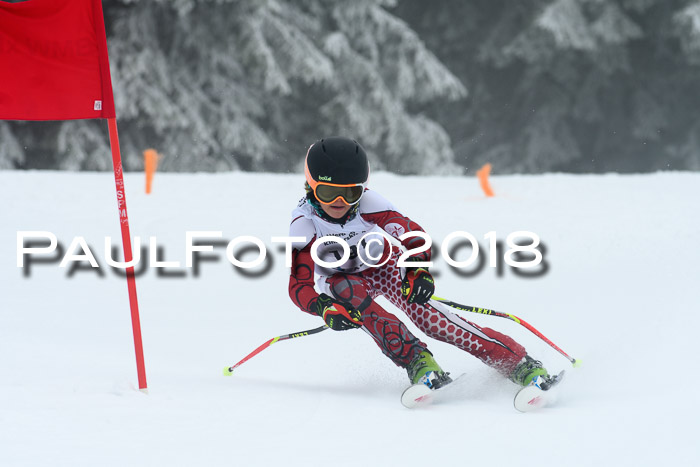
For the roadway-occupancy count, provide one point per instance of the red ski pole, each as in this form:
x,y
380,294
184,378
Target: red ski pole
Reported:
x,y
228,371
529,327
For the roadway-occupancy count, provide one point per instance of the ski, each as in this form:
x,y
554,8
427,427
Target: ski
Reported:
x,y
420,394
537,394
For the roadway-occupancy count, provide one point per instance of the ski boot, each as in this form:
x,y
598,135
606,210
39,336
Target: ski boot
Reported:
x,y
530,370
423,369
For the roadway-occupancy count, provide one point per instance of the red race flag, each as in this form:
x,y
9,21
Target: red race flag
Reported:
x,y
53,61
54,66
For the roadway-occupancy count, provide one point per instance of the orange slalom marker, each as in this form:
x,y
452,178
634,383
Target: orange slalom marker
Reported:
x,y
483,174
150,158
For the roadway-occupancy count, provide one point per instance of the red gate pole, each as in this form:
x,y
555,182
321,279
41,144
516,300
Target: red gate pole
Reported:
x,y
128,256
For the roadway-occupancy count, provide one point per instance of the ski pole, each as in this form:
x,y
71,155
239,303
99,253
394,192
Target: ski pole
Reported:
x,y
529,327
228,371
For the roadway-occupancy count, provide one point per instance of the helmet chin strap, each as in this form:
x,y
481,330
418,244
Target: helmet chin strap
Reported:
x,y
322,214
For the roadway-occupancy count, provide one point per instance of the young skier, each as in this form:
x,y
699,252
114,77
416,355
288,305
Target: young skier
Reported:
x,y
339,204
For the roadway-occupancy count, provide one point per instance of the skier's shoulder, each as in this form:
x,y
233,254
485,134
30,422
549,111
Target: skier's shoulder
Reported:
x,y
303,210
301,224
373,202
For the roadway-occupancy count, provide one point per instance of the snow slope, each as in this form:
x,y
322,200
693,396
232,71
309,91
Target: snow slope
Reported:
x,y
621,294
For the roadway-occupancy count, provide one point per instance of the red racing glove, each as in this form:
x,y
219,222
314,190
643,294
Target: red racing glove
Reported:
x,y
417,285
337,315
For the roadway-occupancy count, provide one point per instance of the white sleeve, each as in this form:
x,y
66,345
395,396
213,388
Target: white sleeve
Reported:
x,y
302,227
374,202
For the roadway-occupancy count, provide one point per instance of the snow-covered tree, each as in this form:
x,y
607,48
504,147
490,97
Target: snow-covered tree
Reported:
x,y
386,67
574,85
249,84
581,85
11,152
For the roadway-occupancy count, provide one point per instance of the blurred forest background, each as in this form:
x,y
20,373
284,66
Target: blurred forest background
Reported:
x,y
427,87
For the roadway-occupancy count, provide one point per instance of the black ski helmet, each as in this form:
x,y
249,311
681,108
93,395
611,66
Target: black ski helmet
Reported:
x,y
336,160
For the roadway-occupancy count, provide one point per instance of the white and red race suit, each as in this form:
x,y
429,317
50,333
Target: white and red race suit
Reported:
x,y
358,281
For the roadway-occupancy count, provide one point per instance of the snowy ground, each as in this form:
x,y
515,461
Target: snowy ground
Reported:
x,y
621,294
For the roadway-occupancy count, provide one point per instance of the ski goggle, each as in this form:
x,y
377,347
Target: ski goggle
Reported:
x,y
327,193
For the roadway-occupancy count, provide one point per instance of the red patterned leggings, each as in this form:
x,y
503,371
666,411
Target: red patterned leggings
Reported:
x,y
434,319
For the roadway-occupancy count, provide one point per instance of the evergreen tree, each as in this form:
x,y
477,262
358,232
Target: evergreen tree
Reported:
x,y
11,153
573,85
248,84
580,85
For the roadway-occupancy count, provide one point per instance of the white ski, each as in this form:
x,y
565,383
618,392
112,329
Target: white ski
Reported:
x,y
537,395
419,394
416,394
